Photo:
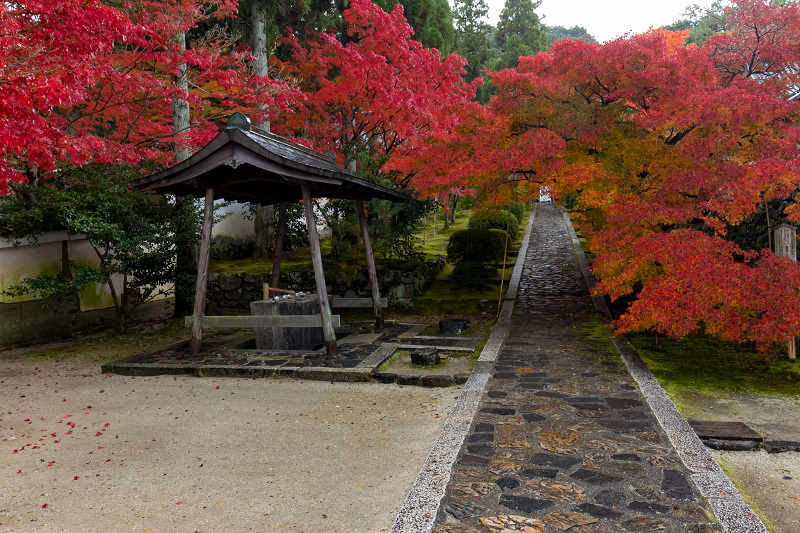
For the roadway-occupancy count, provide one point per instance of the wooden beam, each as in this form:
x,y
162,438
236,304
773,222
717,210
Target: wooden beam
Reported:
x,y
274,281
356,302
319,276
202,273
371,272
262,321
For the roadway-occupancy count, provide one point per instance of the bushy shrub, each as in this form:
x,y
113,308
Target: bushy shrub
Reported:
x,y
494,218
518,210
467,202
481,245
472,274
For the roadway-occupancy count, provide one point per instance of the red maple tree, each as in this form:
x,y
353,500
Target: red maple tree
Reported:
x,y
666,152
370,88
88,82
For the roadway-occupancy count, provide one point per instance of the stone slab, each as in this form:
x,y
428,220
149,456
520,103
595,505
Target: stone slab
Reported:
x,y
709,429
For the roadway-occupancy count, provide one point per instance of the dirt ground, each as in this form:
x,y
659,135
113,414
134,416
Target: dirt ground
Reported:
x,y
770,482
83,451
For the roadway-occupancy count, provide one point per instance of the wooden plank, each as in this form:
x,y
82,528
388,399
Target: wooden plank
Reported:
x,y
202,273
724,430
263,321
357,302
278,255
371,272
319,275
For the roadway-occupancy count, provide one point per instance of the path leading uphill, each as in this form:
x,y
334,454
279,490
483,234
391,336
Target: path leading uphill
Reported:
x,y
561,436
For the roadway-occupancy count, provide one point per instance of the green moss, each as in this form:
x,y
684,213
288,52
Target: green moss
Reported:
x,y
704,364
9,280
441,297
111,346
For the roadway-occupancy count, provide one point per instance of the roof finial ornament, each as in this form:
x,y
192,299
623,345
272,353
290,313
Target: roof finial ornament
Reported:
x,y
238,120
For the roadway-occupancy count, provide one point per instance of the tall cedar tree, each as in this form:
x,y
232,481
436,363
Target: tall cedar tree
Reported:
x,y
519,32
469,17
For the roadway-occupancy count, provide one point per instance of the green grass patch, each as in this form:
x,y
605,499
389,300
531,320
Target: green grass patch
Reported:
x,y
707,365
600,333
351,264
108,346
441,297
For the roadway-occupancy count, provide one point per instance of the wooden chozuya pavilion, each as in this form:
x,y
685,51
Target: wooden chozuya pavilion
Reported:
x,y
249,165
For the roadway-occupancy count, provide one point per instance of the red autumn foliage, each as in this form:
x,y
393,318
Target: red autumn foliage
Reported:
x,y
665,151
85,81
370,88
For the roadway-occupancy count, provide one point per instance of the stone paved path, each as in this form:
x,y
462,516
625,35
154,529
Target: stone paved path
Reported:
x,y
562,438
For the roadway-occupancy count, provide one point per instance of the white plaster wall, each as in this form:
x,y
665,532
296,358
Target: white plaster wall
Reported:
x,y
27,261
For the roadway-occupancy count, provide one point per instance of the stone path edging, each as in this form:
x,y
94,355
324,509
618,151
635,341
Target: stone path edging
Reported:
x,y
729,507
598,300
418,513
513,283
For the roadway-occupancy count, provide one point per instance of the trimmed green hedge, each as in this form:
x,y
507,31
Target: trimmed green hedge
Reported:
x,y
481,245
518,210
494,218
472,274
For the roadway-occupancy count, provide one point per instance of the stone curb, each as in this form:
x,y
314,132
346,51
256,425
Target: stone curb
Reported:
x,y
730,509
418,513
727,504
513,284
313,373
598,300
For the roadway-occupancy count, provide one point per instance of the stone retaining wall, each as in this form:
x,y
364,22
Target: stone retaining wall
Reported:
x,y
32,322
231,293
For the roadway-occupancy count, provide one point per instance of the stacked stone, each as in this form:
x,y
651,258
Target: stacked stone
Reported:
x,y
231,293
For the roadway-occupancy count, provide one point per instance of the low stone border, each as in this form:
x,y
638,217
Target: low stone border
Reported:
x,y
730,509
418,513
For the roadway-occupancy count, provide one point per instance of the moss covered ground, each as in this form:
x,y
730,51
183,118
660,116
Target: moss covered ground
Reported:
x,y
441,297
705,364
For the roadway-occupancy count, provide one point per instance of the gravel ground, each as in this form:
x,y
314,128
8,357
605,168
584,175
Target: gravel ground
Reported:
x,y
769,482
83,451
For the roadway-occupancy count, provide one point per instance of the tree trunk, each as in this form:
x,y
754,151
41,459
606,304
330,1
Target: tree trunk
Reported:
x,y
265,214
265,233
453,209
180,107
184,236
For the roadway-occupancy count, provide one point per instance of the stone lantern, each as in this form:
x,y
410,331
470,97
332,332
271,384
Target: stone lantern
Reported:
x,y
785,237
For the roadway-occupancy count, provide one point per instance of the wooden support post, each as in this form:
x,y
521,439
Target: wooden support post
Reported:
x,y
319,276
202,274
278,255
792,349
371,272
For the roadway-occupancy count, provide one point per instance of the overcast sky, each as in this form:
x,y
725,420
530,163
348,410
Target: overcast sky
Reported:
x,y
606,19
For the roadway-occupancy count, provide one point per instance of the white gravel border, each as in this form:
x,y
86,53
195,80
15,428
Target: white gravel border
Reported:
x,y
418,513
730,509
